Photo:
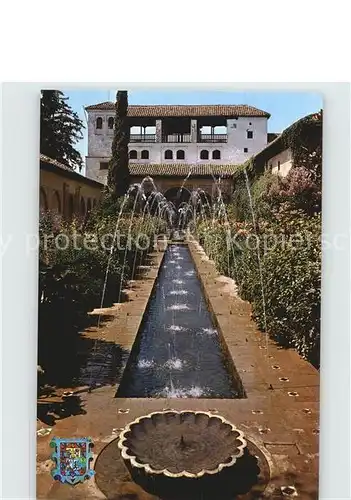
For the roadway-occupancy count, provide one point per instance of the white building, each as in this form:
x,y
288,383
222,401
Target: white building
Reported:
x,y
171,134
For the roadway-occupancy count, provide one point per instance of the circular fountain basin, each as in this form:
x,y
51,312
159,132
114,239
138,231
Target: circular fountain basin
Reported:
x,y
179,452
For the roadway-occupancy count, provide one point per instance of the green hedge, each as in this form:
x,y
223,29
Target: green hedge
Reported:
x,y
291,273
71,278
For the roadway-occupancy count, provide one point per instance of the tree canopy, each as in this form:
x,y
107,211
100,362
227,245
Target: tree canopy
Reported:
x,y
60,129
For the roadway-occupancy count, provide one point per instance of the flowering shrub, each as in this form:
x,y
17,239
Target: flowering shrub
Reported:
x,y
299,190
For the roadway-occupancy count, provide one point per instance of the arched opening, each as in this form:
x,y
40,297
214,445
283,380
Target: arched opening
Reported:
x,y
177,195
149,186
43,199
56,202
201,202
133,155
70,206
82,207
145,154
99,122
216,155
110,122
168,154
181,199
180,154
89,206
206,199
204,154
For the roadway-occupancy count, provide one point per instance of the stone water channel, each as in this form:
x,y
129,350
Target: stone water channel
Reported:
x,y
278,413
178,351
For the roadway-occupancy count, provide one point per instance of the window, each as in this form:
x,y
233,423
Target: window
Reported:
x,y
278,166
216,155
270,166
110,122
133,155
246,150
204,154
180,154
103,165
168,155
99,122
250,123
249,134
145,154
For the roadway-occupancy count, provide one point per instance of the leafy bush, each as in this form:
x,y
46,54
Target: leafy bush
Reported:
x,y
285,296
241,203
262,194
73,259
291,273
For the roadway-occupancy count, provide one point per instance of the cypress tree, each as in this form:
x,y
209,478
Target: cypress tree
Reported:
x,y
118,173
60,129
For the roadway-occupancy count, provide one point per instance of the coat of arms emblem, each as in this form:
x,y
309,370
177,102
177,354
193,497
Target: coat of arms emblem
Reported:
x,y
72,458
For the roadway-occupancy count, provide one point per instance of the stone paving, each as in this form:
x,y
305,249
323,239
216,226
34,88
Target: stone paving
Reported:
x,y
280,414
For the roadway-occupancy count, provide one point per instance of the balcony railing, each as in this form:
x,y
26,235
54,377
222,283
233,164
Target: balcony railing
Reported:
x,y
142,137
212,138
176,138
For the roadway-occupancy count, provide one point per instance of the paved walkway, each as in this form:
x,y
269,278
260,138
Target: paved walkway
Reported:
x,y
280,413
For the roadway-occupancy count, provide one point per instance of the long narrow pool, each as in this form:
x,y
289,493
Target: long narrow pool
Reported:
x,y
177,352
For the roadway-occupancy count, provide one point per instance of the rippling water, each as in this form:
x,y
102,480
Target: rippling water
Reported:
x,y
177,353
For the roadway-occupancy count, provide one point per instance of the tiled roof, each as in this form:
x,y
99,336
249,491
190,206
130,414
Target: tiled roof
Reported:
x,y
180,169
46,159
47,163
156,111
277,145
271,136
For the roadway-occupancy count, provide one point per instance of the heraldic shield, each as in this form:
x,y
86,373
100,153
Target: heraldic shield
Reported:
x,y
72,458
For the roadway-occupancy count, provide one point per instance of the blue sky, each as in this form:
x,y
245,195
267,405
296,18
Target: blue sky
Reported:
x,y
284,107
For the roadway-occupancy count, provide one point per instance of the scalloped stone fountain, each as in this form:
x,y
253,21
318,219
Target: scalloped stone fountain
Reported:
x,y
187,454
181,444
